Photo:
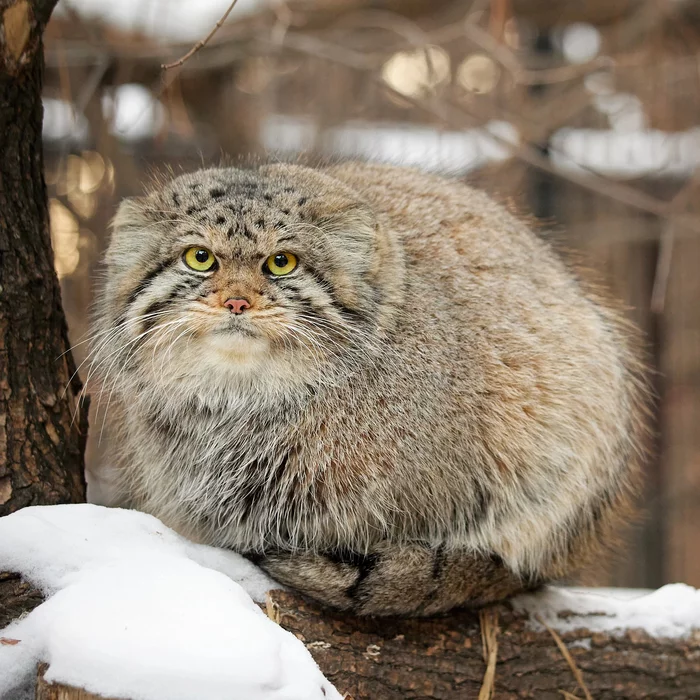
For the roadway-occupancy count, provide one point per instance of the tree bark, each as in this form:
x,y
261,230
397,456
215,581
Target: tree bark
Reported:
x,y
444,658
17,597
42,425
424,659
56,691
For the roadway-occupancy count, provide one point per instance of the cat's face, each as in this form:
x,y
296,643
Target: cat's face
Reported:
x,y
270,274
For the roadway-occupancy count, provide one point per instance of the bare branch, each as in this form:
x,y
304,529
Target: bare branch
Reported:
x,y
202,42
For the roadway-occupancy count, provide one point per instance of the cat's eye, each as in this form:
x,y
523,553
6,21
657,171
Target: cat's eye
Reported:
x,y
199,259
281,264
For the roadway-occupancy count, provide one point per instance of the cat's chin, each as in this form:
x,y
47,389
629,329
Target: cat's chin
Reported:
x,y
238,348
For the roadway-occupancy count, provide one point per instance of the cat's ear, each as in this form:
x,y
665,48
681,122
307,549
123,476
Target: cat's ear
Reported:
x,y
127,228
130,215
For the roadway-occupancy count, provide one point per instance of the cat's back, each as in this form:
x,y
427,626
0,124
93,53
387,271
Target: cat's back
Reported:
x,y
477,274
499,327
435,215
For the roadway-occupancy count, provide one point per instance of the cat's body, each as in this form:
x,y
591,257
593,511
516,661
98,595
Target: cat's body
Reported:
x,y
427,412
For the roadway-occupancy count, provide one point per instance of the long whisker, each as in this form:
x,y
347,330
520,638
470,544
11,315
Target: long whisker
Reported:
x,y
171,326
97,362
110,333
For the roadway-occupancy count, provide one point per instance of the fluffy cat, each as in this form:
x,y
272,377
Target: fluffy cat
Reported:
x,y
377,383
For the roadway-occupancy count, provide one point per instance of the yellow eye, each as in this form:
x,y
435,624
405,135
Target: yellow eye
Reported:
x,y
281,263
199,259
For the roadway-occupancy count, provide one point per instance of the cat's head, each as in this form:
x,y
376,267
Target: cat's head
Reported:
x,y
273,275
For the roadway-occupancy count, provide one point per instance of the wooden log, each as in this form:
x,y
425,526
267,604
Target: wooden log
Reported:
x,y
57,691
17,597
495,653
421,659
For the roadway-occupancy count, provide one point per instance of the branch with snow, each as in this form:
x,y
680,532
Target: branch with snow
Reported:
x,y
133,610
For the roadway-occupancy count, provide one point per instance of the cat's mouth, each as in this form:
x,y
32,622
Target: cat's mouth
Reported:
x,y
237,327
238,341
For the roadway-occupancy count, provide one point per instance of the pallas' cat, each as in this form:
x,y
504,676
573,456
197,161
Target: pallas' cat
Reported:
x,y
377,383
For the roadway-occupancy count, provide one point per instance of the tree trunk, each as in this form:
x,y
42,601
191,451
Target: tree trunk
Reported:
x,y
42,425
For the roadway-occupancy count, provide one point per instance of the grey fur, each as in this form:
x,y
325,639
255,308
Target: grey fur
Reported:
x,y
429,411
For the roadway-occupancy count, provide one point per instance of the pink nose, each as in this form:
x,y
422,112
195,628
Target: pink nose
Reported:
x,y
237,306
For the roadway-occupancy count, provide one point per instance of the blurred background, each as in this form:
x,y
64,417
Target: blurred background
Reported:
x,y
583,115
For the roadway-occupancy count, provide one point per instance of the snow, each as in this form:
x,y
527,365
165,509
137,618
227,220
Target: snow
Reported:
x,y
179,20
671,611
134,113
627,154
134,610
426,147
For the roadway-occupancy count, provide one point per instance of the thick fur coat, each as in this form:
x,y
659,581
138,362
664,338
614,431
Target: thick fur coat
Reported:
x,y
429,411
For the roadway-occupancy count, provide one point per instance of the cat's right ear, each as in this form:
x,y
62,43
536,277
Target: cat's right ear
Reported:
x,y
130,214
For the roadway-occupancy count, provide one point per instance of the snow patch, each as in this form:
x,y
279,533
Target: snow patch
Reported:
x,y
671,611
135,610
179,20
401,144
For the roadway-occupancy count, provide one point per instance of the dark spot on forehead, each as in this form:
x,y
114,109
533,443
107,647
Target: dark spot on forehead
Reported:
x,y
267,197
260,223
302,201
216,193
248,233
220,220
176,199
279,224
285,211
192,210
289,189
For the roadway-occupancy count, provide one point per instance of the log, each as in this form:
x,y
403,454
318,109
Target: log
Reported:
x,y
421,659
494,653
56,691
17,597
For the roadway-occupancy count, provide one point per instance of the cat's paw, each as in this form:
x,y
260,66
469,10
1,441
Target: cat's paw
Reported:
x,y
411,579
390,580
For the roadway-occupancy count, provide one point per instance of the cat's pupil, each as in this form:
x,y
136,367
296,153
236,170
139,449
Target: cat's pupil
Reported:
x,y
281,260
202,256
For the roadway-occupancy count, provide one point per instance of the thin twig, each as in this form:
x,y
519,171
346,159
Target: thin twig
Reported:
x,y
272,608
663,268
489,641
202,42
668,237
569,659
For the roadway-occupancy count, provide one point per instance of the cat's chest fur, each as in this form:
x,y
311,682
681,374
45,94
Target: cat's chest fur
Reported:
x,y
237,474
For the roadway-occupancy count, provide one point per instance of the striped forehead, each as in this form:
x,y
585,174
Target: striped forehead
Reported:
x,y
241,236
238,213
